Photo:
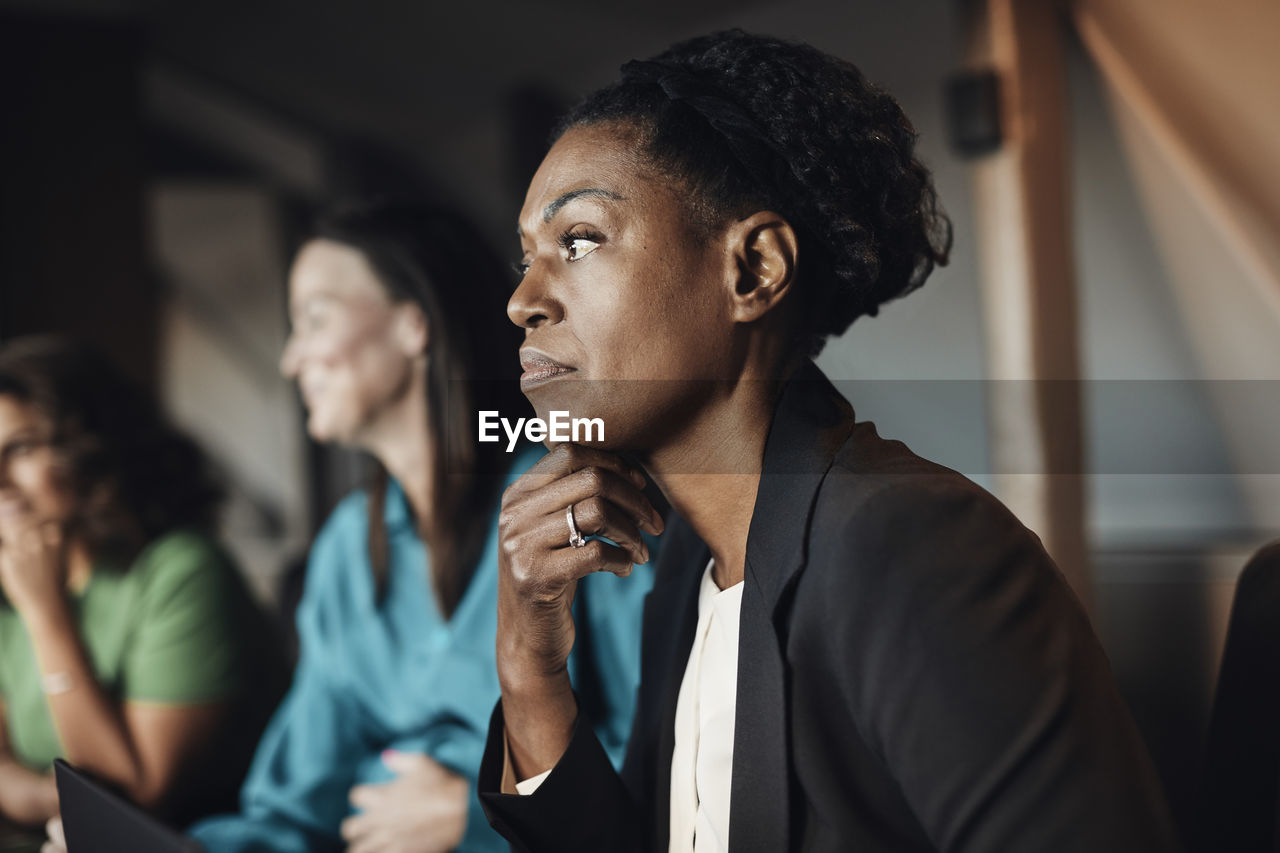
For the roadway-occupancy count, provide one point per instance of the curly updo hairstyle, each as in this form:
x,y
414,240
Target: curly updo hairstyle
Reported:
x,y
751,123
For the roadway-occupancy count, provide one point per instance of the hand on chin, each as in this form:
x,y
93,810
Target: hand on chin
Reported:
x,y
32,571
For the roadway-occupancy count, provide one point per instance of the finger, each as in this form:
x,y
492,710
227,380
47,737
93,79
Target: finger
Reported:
x,y
592,481
564,459
23,541
574,457
356,827
581,485
401,763
592,517
16,528
595,556
596,516
54,830
375,842
365,796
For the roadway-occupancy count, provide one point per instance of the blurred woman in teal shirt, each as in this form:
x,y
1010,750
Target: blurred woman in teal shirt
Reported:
x,y
398,341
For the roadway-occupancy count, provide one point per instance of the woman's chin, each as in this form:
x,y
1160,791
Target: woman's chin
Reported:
x,y
324,431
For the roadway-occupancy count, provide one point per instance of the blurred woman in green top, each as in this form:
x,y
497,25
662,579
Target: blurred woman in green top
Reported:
x,y
125,629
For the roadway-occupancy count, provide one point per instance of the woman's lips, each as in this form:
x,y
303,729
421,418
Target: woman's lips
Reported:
x,y
539,367
311,392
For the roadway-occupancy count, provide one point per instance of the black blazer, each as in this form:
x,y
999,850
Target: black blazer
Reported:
x,y
914,674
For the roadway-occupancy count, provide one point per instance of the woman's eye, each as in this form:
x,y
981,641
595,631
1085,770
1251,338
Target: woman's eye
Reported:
x,y
521,268
313,320
20,447
579,247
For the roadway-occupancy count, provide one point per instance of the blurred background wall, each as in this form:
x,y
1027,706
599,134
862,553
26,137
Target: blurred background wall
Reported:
x,y
159,158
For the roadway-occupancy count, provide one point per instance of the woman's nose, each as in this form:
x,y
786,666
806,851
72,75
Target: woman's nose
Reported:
x,y
532,304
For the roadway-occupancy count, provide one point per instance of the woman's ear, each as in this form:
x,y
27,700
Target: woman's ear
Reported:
x,y
410,330
763,246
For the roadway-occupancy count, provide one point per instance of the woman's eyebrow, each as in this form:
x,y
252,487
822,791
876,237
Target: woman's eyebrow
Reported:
x,y
549,212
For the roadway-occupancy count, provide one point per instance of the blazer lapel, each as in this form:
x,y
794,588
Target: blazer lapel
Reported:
x,y
810,424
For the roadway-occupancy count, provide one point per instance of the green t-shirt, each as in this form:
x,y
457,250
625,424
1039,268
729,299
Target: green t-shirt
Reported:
x,y
168,630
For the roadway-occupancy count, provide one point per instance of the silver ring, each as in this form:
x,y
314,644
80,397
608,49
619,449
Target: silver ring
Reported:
x,y
576,538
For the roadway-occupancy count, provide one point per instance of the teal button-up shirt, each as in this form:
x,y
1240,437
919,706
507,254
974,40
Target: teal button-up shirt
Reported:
x,y
395,675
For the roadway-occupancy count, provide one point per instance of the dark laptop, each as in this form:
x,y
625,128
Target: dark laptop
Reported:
x,y
97,821
17,839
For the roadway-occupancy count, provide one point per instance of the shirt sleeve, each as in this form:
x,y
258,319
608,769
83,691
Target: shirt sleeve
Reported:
x,y
581,804
509,784
185,649
295,796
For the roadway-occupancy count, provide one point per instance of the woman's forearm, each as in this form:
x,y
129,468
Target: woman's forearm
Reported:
x,y
90,725
26,797
539,717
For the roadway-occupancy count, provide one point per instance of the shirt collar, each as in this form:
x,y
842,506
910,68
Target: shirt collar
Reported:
x,y
396,513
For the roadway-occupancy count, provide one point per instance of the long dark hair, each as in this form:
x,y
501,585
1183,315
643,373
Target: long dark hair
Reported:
x,y
134,477
431,255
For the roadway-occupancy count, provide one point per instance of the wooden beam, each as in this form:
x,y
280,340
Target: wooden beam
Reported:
x,y
1023,220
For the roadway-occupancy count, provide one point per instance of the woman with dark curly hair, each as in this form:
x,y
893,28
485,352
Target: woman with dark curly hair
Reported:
x,y
847,647
128,643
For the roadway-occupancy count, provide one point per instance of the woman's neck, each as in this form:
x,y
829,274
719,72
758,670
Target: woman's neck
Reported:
x,y
711,473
